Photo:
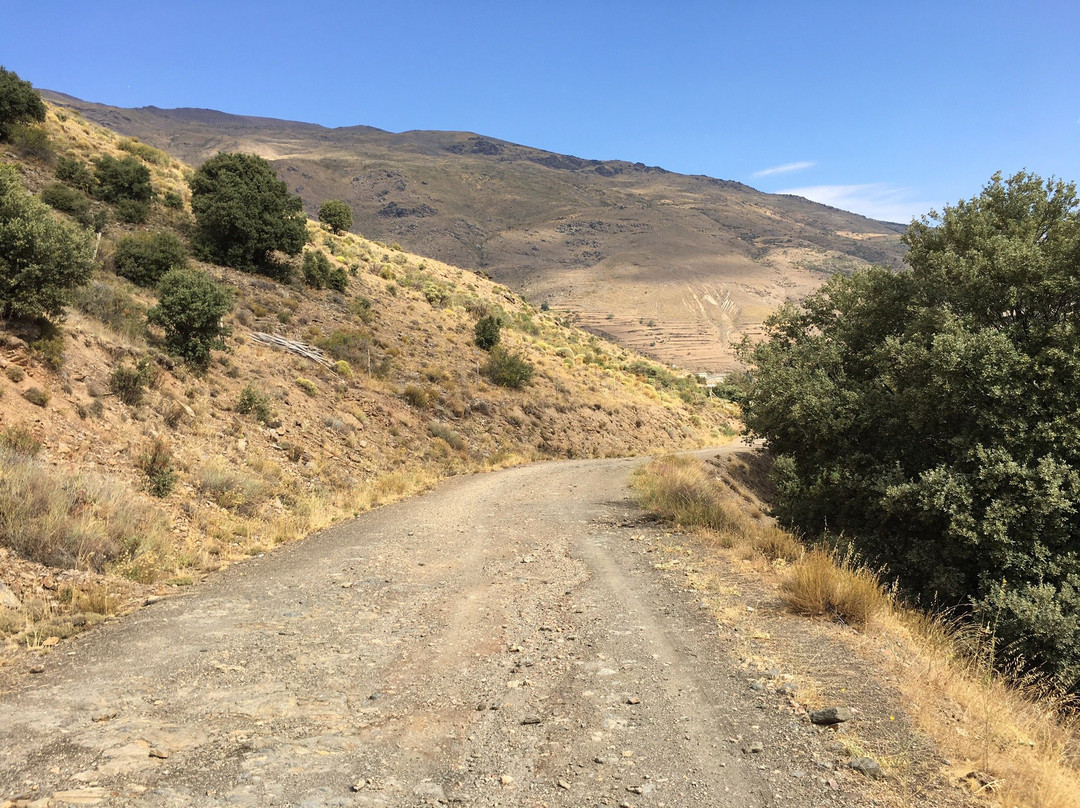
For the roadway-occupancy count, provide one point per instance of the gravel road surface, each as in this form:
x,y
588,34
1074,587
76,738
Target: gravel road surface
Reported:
x,y
501,641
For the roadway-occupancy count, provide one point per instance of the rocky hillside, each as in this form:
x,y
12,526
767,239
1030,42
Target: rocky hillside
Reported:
x,y
674,266
125,469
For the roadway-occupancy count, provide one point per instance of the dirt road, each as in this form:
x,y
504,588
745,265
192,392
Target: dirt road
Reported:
x,y
503,640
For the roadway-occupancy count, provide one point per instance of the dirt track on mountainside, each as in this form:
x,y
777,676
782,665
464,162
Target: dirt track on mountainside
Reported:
x,y
504,640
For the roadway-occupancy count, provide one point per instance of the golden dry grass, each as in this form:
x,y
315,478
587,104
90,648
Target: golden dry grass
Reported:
x,y
820,584
1020,740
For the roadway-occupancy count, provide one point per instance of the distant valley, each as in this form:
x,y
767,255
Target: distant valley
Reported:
x,y
674,266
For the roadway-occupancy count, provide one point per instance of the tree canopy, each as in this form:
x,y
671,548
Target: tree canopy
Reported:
x,y
42,257
19,103
931,416
336,215
243,213
190,308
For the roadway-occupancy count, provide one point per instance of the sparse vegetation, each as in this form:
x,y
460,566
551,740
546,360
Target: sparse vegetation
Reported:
x,y
156,464
80,521
508,369
129,382
37,396
308,386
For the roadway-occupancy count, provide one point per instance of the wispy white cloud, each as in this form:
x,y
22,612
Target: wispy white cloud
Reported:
x,y
877,200
786,168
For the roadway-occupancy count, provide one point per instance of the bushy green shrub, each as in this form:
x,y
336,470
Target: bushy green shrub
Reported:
x,y
123,179
336,215
132,211
42,257
487,331
145,258
308,386
190,308
243,213
508,370
316,269
20,103
930,415
68,200
255,402
171,199
74,172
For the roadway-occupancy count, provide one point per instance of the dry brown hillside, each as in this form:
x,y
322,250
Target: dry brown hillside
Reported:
x,y
354,398
674,266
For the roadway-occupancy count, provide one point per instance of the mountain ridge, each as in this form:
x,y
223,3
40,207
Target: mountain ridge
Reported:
x,y
673,265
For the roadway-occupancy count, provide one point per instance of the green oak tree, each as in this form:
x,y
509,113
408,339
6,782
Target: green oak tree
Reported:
x,y
190,309
42,257
336,215
244,213
931,416
20,103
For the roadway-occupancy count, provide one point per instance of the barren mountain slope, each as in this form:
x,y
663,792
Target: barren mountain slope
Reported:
x,y
672,265
388,395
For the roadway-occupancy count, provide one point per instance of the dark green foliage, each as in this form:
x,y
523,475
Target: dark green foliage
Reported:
x,y
42,257
244,213
336,215
49,350
75,173
338,279
132,211
190,307
129,382
487,332
124,179
69,200
316,269
255,402
144,258
19,103
508,370
156,464
171,199
930,416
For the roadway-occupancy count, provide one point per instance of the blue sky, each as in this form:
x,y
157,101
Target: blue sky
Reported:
x,y
887,109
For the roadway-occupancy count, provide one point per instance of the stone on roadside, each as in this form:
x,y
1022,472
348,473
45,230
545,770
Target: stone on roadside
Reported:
x,y
831,715
867,766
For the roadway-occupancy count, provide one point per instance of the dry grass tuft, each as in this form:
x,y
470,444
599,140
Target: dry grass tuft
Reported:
x,y
820,584
72,521
679,489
